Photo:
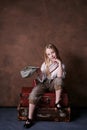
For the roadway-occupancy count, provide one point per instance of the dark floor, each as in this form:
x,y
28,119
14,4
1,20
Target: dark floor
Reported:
x,y
9,121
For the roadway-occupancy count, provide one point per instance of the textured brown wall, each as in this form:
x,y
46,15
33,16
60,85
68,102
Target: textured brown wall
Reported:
x,y
25,27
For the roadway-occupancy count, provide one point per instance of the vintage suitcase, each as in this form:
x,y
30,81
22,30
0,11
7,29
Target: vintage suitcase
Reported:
x,y
45,109
52,114
46,114
48,100
22,113
22,107
23,101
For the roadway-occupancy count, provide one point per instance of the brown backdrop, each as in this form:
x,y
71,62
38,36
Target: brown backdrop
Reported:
x,y
25,27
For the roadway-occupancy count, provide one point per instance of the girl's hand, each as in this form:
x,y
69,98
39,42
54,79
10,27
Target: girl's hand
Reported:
x,y
56,60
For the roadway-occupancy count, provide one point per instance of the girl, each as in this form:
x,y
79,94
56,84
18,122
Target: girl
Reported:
x,y
50,79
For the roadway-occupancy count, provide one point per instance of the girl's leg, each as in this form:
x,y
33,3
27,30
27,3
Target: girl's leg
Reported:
x,y
31,110
57,85
58,104
29,121
34,97
58,95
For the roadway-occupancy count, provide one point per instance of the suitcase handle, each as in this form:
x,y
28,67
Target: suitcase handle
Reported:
x,y
44,116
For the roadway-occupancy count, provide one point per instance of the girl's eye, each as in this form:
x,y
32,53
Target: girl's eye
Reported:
x,y
48,54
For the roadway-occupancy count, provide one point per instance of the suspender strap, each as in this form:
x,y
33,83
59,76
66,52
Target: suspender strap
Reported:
x,y
53,67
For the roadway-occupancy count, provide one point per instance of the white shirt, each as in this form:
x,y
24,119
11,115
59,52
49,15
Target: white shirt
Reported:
x,y
54,69
53,74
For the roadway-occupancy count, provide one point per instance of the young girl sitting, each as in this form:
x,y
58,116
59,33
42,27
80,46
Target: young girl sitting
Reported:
x,y
50,78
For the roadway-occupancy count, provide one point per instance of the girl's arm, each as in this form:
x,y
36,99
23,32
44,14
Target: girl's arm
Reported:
x,y
60,71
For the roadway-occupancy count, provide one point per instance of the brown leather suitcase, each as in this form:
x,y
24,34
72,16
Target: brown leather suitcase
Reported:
x,y
45,109
52,114
22,113
47,100
24,94
46,114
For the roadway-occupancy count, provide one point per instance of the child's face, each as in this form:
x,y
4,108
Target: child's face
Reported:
x,y
51,54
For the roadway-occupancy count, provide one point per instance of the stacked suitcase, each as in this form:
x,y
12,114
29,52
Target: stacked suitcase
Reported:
x,y
45,109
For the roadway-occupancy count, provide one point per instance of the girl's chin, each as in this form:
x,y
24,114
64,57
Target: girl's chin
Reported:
x,y
53,60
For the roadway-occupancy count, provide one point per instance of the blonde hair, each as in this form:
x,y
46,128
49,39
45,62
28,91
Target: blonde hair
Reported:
x,y
47,61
